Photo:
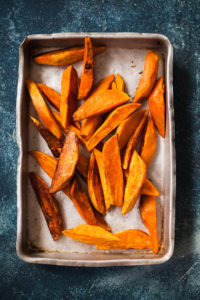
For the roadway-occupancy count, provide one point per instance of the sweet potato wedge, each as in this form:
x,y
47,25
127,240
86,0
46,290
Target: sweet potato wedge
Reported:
x,y
127,127
149,218
111,122
157,106
101,86
148,143
149,76
89,234
119,82
69,90
87,74
47,162
82,165
113,171
53,143
94,186
133,141
114,86
43,110
66,163
52,95
135,181
100,221
100,104
48,205
65,57
149,189
129,239
77,131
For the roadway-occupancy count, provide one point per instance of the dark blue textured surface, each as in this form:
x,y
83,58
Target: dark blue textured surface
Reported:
x,y
180,277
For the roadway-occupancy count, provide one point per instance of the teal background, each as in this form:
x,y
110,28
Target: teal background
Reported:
x,y
179,21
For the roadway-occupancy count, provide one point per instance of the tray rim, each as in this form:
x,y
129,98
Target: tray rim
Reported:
x,y
169,78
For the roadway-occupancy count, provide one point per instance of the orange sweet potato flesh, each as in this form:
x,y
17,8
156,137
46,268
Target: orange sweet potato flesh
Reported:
x,y
149,218
149,76
135,181
119,82
100,104
69,90
66,163
113,170
48,205
114,86
100,221
148,143
87,74
133,141
129,239
82,165
89,234
65,57
94,186
127,127
149,189
111,122
157,106
77,131
53,143
43,110
46,162
52,95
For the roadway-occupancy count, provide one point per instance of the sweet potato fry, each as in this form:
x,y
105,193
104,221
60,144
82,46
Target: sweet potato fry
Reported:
x,y
129,239
119,82
100,221
114,86
149,76
101,86
135,181
65,57
69,90
127,127
149,189
113,170
111,122
148,215
148,144
52,95
133,141
82,165
77,131
157,106
48,205
46,162
94,186
100,104
53,143
43,110
66,163
90,234
87,74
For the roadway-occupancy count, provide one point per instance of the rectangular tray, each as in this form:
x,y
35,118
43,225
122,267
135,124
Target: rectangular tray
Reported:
x,y
34,243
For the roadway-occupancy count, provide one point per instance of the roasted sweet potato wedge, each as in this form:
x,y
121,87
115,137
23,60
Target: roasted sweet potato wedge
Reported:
x,y
48,205
113,170
157,106
148,143
66,163
77,131
135,181
129,239
149,189
46,162
53,143
149,76
89,234
65,57
52,95
100,221
149,218
133,141
100,104
82,165
111,122
101,86
127,127
114,86
43,110
94,186
69,90
87,74
119,82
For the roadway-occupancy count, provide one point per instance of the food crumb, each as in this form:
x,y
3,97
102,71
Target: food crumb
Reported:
x,y
140,72
133,66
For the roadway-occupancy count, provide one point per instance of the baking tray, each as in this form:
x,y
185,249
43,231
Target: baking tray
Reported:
x,y
125,54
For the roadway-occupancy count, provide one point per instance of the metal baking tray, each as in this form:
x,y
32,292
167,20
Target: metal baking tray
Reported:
x,y
125,54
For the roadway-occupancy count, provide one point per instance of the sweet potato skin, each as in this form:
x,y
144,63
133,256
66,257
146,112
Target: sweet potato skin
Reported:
x,y
135,181
149,76
69,90
48,205
111,122
113,170
149,218
148,144
157,106
52,95
67,163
